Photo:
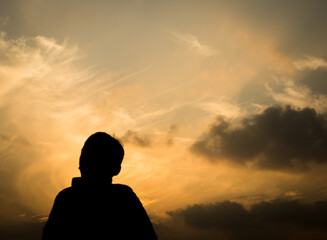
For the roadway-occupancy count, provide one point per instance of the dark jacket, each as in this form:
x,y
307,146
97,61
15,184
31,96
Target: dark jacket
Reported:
x,y
88,211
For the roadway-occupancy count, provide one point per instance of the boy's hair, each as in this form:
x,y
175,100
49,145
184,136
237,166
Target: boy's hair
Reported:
x,y
100,151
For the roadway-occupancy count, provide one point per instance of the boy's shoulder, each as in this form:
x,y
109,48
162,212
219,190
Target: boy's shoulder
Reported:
x,y
122,187
79,186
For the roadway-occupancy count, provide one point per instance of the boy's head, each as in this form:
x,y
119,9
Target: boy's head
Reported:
x,y
101,156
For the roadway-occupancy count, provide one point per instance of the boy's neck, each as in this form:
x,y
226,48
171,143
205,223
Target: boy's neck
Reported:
x,y
90,181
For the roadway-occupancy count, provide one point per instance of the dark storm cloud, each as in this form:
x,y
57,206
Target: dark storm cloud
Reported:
x,y
278,219
133,137
291,212
225,215
279,138
23,231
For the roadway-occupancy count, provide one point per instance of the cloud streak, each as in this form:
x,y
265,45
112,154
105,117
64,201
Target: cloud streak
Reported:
x,y
193,44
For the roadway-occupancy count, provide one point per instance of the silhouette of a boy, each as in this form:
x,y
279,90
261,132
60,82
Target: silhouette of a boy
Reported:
x,y
93,207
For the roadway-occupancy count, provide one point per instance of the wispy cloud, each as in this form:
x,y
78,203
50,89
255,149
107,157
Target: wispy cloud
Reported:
x,y
193,44
49,104
221,107
297,95
310,62
135,138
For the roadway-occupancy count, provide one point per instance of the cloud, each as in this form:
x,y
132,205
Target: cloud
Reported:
x,y
288,92
193,44
37,75
280,138
220,107
277,219
226,215
312,63
133,137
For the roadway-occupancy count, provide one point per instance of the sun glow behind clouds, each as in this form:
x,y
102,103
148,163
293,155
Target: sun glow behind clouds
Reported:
x,y
51,105
61,103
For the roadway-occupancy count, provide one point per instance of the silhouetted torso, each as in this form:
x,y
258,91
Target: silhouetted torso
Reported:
x,y
98,211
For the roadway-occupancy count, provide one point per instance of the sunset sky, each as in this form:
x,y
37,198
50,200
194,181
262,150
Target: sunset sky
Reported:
x,y
221,107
